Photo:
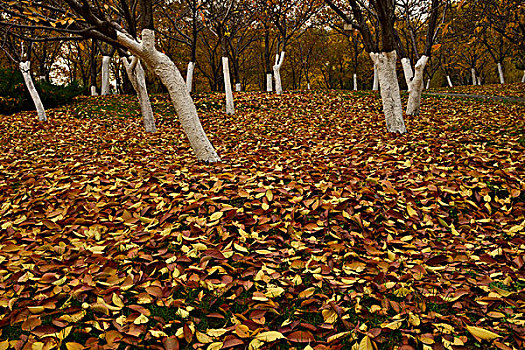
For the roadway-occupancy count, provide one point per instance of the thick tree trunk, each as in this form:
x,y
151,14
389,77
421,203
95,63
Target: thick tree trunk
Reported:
x,y
25,68
390,95
230,108
138,80
170,76
355,82
269,85
473,73
500,72
277,72
415,87
189,76
105,75
449,81
375,85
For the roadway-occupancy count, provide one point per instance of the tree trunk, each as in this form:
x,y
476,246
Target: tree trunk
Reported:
x,y
277,73
238,87
523,79
428,83
390,95
170,76
479,81
501,75
25,68
415,87
94,90
449,81
473,73
230,108
189,76
375,85
138,80
269,84
105,75
407,70
355,82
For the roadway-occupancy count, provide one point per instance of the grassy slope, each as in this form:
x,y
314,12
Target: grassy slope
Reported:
x,y
318,225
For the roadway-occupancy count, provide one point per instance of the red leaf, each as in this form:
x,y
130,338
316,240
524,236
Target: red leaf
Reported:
x,y
301,337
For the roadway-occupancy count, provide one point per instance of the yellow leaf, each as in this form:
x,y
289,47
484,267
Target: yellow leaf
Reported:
x,y
392,325
216,332
37,346
337,336
329,315
203,338
141,319
74,346
242,331
307,293
215,346
269,195
482,333
4,345
117,301
366,344
216,216
269,336
157,334
255,344
410,210
274,292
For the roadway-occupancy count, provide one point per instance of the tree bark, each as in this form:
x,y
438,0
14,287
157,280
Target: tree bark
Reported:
x,y
390,94
375,85
170,76
407,70
523,79
449,81
501,75
415,87
230,108
25,68
238,87
105,75
355,82
277,72
473,73
269,85
189,76
138,80
428,83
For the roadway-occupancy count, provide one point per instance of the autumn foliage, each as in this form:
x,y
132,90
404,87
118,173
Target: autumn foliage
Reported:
x,y
317,231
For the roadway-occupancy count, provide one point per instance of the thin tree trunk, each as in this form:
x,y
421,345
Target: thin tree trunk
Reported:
x,y
105,75
170,76
277,72
355,82
25,68
479,81
138,80
501,75
230,108
523,79
189,76
473,73
390,95
238,87
407,70
269,85
428,83
415,87
375,85
449,81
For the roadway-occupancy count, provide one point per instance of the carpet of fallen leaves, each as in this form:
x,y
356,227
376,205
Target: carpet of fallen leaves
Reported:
x,y
318,230
500,90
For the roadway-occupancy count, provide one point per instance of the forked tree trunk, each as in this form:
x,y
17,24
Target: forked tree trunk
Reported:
x,y
105,76
473,73
415,87
500,72
449,81
138,80
277,72
230,108
269,85
189,76
355,82
390,95
25,68
375,85
170,76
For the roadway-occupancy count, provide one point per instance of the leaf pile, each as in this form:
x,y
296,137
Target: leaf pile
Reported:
x,y
501,90
318,230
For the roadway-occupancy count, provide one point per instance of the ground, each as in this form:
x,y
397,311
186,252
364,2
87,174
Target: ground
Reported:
x,y
318,230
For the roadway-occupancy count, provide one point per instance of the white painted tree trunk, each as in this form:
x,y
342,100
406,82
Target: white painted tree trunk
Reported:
x,y
42,78
277,72
473,73
138,80
170,76
449,81
479,81
407,70
269,84
428,84
375,85
390,95
189,76
308,86
355,82
25,68
238,87
230,108
94,90
415,87
523,79
501,75
105,75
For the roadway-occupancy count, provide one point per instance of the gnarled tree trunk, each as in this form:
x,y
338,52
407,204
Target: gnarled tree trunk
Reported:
x,y
415,87
138,80
170,76
390,95
25,68
277,72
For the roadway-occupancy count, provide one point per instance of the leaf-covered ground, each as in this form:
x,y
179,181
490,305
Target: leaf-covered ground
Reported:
x,y
319,230
500,90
